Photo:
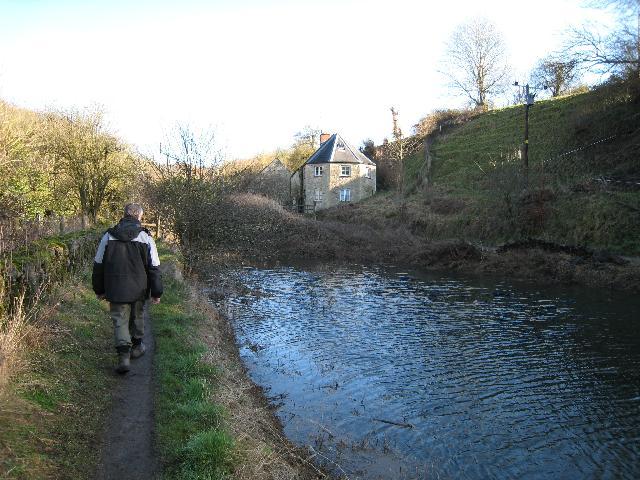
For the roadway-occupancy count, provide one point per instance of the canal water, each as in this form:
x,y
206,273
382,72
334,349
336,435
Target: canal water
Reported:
x,y
390,374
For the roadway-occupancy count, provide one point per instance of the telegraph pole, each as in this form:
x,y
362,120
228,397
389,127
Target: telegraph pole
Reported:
x,y
529,98
525,150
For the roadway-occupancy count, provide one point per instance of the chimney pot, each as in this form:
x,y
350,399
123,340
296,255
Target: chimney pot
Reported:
x,y
324,137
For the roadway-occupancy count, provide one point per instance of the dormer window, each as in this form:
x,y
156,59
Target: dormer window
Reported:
x,y
317,171
345,170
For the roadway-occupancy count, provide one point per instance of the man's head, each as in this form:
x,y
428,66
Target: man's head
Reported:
x,y
133,210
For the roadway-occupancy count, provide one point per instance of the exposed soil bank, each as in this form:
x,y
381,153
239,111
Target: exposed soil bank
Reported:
x,y
535,261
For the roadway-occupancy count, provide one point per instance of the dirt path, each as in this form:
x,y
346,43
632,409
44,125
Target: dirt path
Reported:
x,y
127,449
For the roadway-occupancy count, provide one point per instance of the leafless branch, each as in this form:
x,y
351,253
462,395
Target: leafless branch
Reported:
x,y
475,61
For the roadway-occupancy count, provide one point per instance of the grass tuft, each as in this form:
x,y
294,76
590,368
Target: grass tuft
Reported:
x,y
205,456
190,427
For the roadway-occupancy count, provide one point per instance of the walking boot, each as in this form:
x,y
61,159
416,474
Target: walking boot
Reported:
x,y
138,350
123,362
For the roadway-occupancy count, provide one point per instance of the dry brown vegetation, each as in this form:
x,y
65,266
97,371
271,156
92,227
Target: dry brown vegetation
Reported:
x,y
251,228
246,227
18,332
52,399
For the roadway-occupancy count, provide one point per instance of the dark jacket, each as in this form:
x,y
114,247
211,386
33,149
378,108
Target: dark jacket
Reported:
x,y
126,266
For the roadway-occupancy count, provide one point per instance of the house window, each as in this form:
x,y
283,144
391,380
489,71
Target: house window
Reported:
x,y
367,172
345,170
317,172
345,195
317,195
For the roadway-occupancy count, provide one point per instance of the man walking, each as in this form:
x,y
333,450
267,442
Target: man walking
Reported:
x,y
125,273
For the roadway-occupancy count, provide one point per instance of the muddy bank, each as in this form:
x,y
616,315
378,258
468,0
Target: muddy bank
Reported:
x,y
536,261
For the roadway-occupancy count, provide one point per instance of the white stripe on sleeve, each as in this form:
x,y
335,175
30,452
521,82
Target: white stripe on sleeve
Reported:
x,y
155,259
144,237
103,244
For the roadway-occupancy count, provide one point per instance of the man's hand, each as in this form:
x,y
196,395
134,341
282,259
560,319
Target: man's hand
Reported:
x,y
155,300
100,297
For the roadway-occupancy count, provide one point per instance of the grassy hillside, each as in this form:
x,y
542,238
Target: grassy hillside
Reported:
x,y
557,126
583,185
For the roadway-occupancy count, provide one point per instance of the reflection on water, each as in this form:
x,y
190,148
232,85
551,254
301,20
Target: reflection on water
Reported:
x,y
400,375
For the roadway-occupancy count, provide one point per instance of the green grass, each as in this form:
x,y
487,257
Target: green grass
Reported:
x,y
190,428
478,163
58,404
556,126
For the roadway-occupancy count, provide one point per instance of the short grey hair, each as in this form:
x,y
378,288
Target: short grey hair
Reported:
x,y
132,210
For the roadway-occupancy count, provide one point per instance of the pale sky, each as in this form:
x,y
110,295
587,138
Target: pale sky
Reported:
x,y
256,71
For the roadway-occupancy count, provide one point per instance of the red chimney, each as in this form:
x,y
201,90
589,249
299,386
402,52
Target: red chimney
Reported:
x,y
324,137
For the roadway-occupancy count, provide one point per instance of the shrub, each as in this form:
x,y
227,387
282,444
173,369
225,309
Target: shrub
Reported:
x,y
443,119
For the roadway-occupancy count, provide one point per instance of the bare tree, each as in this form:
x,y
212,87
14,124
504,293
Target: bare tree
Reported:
x,y
309,136
557,74
188,186
391,158
616,52
193,153
476,61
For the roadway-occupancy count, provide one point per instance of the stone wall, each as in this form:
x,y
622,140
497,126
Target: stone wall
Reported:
x,y
331,183
44,263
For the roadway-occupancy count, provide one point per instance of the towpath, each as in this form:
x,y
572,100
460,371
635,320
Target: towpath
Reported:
x,y
128,449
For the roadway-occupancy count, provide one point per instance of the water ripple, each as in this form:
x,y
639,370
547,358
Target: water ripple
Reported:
x,y
473,379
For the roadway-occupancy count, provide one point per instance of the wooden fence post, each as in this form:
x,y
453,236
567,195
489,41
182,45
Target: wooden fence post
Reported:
x,y
62,225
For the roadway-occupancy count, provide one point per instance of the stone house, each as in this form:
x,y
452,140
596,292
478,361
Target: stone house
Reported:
x,y
273,182
336,173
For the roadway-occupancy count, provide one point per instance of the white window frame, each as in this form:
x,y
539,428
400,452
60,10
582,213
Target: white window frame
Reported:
x,y
345,195
344,168
367,172
317,195
317,171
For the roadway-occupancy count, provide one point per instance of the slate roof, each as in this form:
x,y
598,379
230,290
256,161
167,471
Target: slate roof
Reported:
x,y
337,150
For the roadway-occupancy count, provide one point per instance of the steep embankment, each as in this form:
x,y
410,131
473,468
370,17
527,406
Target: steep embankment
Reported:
x,y
253,229
583,185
